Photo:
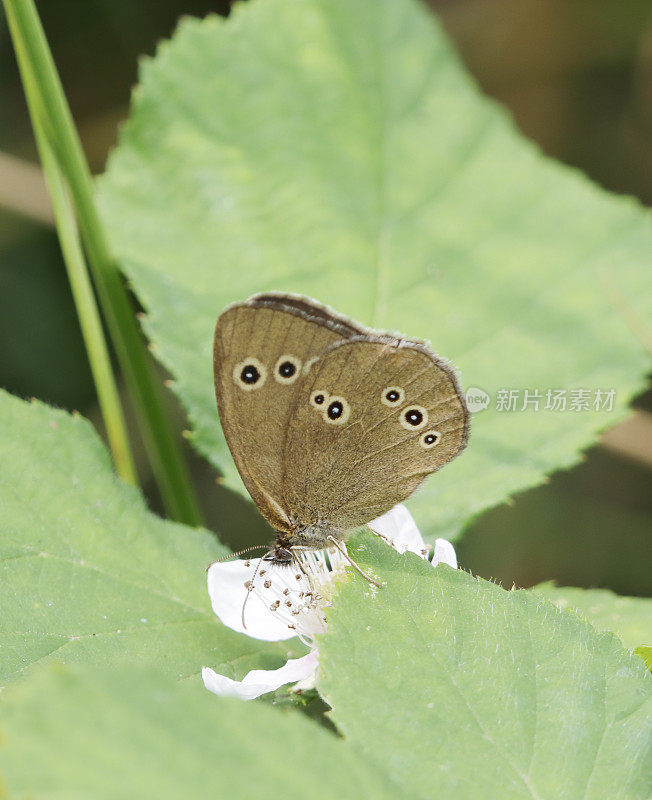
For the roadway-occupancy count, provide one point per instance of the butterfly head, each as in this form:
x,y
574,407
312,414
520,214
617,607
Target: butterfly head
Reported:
x,y
280,553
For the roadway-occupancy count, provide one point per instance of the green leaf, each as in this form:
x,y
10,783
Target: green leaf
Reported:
x,y
88,574
88,734
630,618
461,689
338,148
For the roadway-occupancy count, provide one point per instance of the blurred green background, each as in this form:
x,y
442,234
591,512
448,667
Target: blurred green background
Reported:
x,y
577,77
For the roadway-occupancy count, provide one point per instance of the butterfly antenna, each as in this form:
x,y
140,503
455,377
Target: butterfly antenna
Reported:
x,y
343,551
250,587
239,553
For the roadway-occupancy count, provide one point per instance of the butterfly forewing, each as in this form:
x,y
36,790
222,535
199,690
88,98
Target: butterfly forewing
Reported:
x,y
392,413
261,350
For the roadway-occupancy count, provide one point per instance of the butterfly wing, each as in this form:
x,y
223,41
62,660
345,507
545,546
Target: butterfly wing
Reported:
x,y
260,351
374,416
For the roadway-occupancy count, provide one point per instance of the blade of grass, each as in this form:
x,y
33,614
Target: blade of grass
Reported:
x,y
59,129
87,311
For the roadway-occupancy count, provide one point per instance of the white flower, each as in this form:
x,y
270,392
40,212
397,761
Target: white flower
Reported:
x,y
259,681
399,529
274,602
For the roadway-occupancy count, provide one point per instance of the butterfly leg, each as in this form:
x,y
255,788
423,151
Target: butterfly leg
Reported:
x,y
344,552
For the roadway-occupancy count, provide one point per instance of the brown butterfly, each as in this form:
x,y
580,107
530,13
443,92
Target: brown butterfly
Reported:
x,y
330,424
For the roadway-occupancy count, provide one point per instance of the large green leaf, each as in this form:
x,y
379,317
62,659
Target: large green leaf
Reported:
x,y
339,149
628,617
88,574
461,689
88,734
440,683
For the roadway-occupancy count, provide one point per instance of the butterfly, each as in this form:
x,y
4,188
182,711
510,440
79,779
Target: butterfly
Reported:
x,y
330,424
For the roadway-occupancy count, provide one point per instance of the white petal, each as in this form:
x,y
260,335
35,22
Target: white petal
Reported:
x,y
401,530
227,590
444,554
261,681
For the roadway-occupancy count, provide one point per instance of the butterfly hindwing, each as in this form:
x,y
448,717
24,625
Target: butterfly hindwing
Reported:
x,y
372,418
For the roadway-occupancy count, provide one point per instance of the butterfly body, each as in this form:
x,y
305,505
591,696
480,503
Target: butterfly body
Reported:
x,y
330,424
312,535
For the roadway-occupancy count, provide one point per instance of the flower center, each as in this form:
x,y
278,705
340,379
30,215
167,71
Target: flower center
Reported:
x,y
297,593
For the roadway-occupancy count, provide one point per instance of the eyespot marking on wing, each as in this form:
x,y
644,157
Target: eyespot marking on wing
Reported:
x,y
392,396
429,439
287,369
414,418
249,374
337,411
319,399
